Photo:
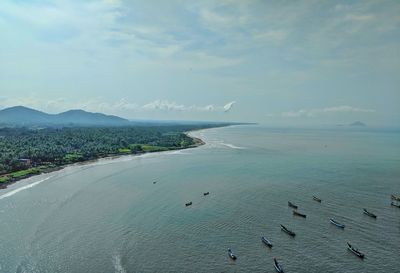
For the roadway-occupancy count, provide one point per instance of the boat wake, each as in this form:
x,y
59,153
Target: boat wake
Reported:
x,y
179,153
118,264
231,146
11,193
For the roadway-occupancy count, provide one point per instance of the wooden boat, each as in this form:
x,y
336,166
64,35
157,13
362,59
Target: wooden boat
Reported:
x,y
231,255
290,204
277,266
188,204
295,212
394,197
154,182
337,223
394,204
206,193
355,250
317,199
291,233
266,241
370,214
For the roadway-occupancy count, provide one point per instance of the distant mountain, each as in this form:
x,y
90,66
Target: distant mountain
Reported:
x,y
358,123
21,114
24,116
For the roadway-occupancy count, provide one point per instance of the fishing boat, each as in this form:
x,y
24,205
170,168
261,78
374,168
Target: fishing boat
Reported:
x,y
394,197
295,212
188,204
337,223
394,204
231,255
317,199
206,193
266,241
370,214
154,182
277,266
290,204
291,233
355,250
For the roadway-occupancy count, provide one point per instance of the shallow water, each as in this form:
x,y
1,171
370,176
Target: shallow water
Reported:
x,y
110,217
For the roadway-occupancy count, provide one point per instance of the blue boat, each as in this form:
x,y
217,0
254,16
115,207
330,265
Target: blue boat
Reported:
x,y
266,241
231,255
395,205
337,223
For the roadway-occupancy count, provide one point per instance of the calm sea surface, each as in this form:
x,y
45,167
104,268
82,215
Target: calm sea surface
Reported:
x,y
109,217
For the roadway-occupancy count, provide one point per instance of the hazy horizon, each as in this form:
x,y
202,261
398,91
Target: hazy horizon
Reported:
x,y
305,63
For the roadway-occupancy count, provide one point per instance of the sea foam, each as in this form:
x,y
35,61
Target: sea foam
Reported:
x,y
11,193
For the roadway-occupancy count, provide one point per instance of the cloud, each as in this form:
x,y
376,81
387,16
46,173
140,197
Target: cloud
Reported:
x,y
99,105
228,106
165,105
318,111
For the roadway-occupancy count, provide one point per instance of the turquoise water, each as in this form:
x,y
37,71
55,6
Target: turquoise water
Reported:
x,y
110,217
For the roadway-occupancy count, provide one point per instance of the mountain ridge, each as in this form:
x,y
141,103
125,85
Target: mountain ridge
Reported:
x,y
25,116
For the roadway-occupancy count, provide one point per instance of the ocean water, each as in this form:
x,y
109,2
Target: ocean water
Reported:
x,y
108,216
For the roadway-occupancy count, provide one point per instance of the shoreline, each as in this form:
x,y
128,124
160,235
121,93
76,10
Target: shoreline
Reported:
x,y
43,170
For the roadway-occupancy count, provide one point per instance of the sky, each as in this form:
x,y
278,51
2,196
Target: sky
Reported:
x,y
273,62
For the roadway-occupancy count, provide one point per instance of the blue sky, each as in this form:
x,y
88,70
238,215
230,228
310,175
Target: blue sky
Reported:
x,y
274,62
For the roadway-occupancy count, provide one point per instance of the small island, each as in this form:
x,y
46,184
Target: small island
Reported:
x,y
358,124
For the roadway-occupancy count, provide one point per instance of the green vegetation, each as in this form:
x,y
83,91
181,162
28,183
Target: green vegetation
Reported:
x,y
19,174
73,157
151,148
124,151
24,152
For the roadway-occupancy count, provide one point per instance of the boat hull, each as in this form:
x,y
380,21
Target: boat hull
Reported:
x,y
369,214
394,197
231,255
291,233
299,214
317,199
355,251
278,268
266,242
395,205
339,225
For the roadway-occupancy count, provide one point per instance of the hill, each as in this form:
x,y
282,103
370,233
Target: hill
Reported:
x,y
24,116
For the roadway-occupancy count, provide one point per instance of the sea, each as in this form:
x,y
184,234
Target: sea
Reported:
x,y
128,214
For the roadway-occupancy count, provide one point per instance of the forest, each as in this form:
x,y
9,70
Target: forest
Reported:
x,y
25,151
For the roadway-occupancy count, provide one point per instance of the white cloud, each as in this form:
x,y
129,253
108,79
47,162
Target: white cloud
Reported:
x,y
318,111
228,106
99,105
165,105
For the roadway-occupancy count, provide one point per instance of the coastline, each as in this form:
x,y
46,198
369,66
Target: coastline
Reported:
x,y
43,170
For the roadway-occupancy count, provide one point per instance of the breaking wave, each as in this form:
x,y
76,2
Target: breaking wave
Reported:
x,y
11,193
118,264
